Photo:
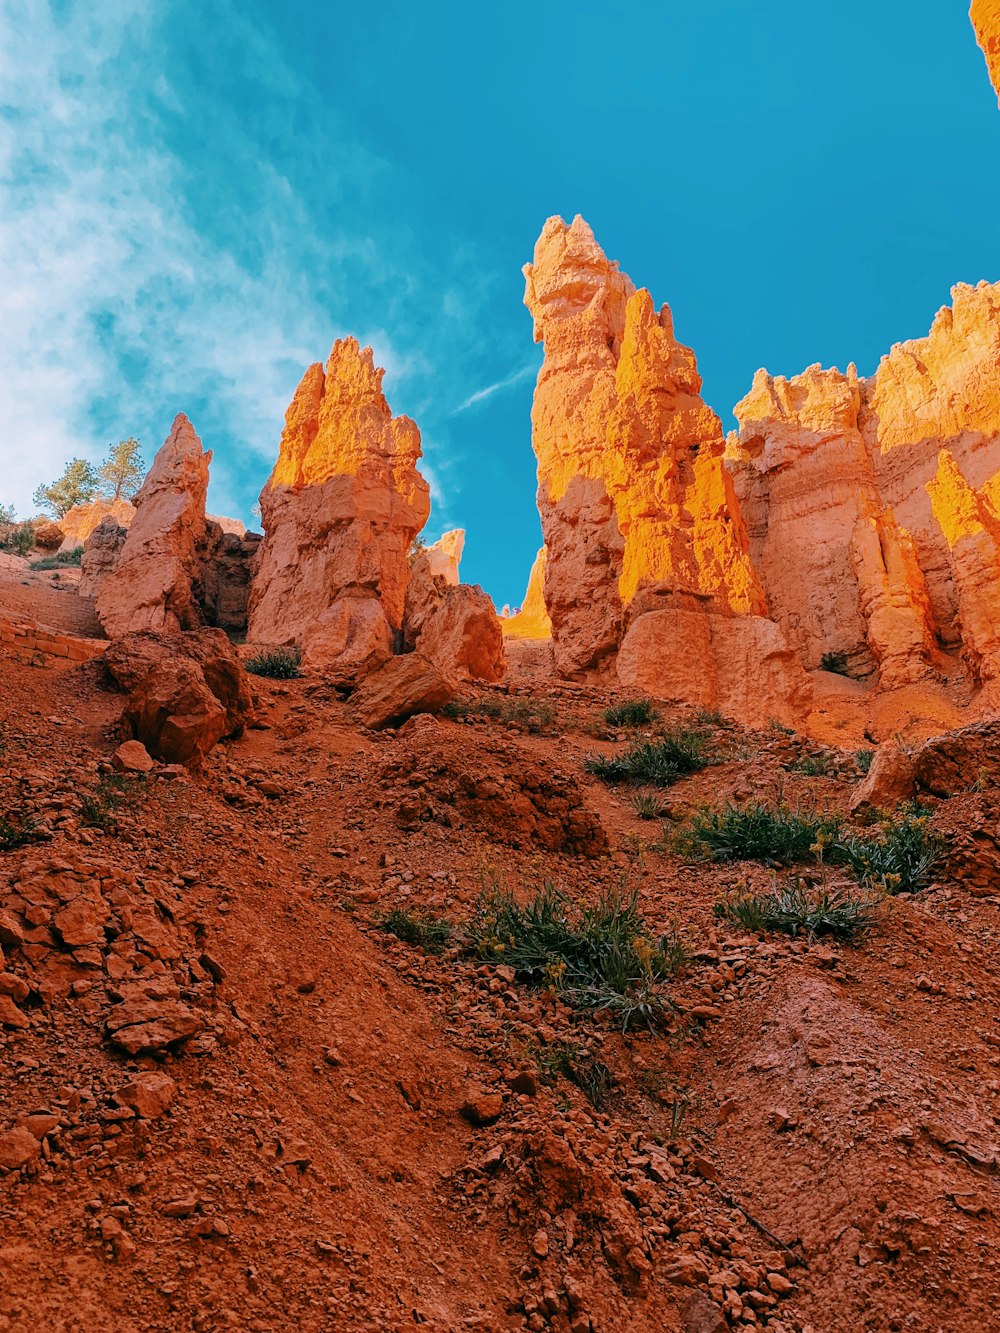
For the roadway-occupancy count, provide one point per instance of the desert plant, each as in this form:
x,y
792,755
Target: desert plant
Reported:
x,y
899,858
863,759
810,765
646,806
18,539
631,713
122,472
17,827
77,485
101,808
565,1059
277,663
600,958
527,713
757,832
835,662
797,909
659,763
60,560
426,932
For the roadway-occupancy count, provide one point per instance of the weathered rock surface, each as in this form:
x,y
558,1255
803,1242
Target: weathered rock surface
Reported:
x,y
174,713
454,625
638,510
340,511
890,779
153,583
869,540
532,620
101,552
398,689
79,522
49,536
445,555
985,15
131,658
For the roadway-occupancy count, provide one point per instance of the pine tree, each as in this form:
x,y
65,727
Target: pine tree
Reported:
x,y
122,472
77,485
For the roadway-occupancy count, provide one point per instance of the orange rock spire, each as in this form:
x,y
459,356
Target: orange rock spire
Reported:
x,y
340,511
985,15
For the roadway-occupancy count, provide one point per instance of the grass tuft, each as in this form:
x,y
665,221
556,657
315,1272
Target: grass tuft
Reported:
x,y
646,806
798,910
101,808
659,763
863,759
60,560
756,832
17,828
425,932
900,858
526,713
600,958
631,713
276,663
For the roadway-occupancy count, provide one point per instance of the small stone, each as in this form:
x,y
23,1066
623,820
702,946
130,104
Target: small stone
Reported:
x,y
180,1207
132,757
540,1244
149,1095
10,1015
483,1108
18,1147
522,1082
779,1284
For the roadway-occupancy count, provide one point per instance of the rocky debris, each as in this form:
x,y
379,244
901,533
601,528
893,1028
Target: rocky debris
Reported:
x,y
132,757
457,780
959,761
340,511
400,688
78,523
871,503
152,586
149,1095
532,620
985,16
454,626
101,552
890,780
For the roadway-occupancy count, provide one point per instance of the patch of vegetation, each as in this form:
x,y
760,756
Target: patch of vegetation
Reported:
x,y
779,728
17,828
527,713
646,806
277,663
564,1059
659,763
631,713
18,539
757,832
835,662
600,958
101,808
811,765
863,759
60,560
900,858
706,717
800,910
425,932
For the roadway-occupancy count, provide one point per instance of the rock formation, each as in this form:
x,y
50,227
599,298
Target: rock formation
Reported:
x,y
152,585
835,477
638,511
985,15
340,511
101,553
454,625
79,522
532,621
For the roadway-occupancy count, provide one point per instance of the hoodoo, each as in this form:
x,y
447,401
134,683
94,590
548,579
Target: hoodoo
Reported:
x,y
340,512
647,552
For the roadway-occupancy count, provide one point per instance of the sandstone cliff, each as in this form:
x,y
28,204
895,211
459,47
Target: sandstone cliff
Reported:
x,y
340,511
835,476
638,511
985,15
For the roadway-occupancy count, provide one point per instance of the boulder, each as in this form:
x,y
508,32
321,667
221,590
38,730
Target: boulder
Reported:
x,y
153,583
453,625
18,1147
130,658
48,536
101,552
890,780
132,757
350,638
959,760
398,689
174,713
340,512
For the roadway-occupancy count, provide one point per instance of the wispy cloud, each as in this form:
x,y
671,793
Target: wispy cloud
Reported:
x,y
481,395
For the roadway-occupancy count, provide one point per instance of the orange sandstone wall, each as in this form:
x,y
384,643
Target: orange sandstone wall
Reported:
x,y
985,15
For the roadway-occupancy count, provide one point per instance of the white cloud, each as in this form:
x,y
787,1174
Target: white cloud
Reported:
x,y
482,394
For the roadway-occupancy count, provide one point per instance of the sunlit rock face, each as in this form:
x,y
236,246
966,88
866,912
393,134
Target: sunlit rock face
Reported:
x,y
835,477
79,522
340,512
985,15
638,511
532,621
155,581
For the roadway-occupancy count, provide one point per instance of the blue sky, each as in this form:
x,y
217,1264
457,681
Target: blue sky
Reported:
x,y
195,200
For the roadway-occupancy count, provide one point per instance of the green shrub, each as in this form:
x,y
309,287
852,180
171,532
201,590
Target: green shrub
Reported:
x,y
709,717
631,713
757,832
863,759
426,932
526,713
18,539
599,958
17,827
646,806
835,662
60,560
810,765
798,910
278,663
900,858
658,763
